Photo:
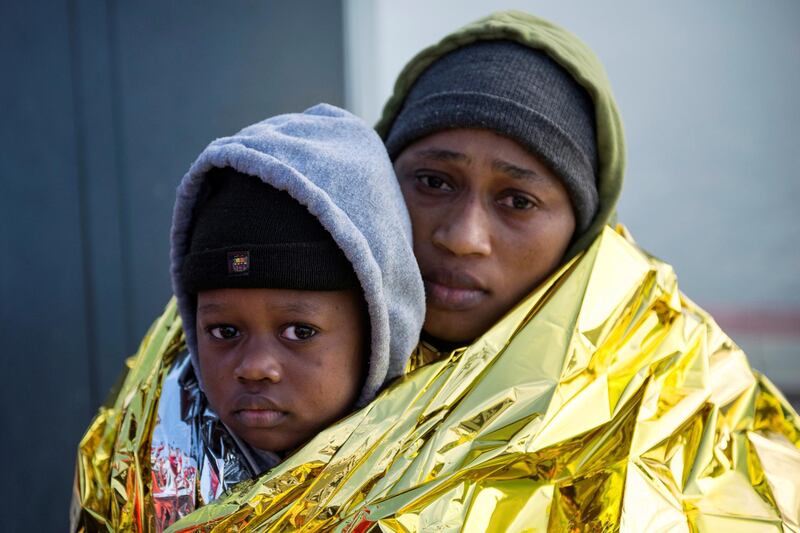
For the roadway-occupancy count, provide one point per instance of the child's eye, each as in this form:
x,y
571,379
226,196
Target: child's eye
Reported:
x,y
223,332
517,201
431,181
298,332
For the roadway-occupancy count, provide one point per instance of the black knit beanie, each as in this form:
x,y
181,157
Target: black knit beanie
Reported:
x,y
248,234
515,91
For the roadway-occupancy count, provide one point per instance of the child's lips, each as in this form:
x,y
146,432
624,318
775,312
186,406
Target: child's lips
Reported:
x,y
260,418
258,411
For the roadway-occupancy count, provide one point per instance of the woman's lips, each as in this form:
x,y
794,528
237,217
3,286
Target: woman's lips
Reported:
x,y
260,418
453,291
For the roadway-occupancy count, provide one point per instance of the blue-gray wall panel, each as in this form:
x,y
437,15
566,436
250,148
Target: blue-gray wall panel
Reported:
x,y
108,337
44,398
105,106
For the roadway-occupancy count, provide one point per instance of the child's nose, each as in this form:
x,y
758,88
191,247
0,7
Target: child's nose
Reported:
x,y
258,362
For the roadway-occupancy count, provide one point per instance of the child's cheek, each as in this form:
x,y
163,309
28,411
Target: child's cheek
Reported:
x,y
213,377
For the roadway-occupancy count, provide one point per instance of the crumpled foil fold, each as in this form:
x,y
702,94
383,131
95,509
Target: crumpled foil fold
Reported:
x,y
605,401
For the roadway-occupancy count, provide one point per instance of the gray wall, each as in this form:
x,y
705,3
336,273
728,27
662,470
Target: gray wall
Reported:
x,y
105,105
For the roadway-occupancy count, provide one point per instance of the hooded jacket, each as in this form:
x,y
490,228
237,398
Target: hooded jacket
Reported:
x,y
576,58
605,401
336,167
159,451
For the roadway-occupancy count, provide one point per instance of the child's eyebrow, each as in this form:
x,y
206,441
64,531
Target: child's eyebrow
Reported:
x,y
291,307
210,307
297,306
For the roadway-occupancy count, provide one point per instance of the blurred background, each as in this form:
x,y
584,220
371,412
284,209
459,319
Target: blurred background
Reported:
x,y
107,103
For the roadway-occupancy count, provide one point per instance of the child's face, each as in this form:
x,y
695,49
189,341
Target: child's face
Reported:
x,y
280,365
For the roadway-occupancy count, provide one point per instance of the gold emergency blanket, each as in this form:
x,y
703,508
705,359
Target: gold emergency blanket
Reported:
x,y
113,474
605,401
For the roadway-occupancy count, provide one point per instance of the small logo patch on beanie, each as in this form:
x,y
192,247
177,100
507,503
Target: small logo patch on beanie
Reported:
x,y
238,263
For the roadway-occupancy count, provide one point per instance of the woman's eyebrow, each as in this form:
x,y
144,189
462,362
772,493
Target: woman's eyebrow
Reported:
x,y
440,154
514,171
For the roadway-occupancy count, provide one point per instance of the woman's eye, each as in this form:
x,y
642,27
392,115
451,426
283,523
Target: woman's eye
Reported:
x,y
223,332
298,332
434,182
517,201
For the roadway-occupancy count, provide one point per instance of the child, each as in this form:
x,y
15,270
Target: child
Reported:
x,y
300,297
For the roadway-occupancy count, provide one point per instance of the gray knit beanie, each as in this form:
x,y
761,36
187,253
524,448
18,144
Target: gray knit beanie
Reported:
x,y
515,91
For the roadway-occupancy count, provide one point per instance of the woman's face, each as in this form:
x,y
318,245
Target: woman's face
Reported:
x,y
490,222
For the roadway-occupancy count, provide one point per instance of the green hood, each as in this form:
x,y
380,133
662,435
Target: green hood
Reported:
x,y
572,54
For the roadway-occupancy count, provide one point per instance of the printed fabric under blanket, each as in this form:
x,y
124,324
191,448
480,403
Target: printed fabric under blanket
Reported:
x,y
605,401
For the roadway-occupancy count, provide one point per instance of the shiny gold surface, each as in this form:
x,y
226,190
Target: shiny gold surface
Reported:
x,y
605,401
112,479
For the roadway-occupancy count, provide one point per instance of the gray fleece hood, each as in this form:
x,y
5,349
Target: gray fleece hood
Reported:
x,y
336,166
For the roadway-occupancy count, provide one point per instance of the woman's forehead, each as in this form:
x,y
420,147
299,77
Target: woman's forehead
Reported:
x,y
480,147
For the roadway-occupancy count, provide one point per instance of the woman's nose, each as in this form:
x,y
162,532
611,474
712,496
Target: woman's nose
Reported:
x,y
465,229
